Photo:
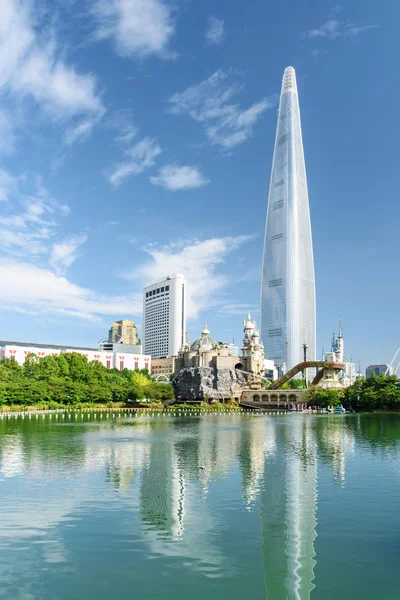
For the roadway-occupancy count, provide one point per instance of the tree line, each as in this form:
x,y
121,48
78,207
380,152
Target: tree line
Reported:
x,y
70,379
377,392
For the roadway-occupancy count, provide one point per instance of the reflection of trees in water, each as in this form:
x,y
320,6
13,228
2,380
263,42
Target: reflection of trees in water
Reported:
x,y
380,432
334,440
40,448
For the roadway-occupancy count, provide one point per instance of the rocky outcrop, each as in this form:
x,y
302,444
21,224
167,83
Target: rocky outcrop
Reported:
x,y
200,383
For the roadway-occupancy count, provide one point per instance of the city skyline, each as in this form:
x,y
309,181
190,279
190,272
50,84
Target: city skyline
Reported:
x,y
125,157
288,318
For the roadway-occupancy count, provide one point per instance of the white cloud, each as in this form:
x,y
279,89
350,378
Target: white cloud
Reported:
x,y
31,66
228,310
64,253
138,27
121,121
7,182
140,157
209,103
28,222
176,177
127,135
33,289
79,132
199,262
7,136
215,33
335,28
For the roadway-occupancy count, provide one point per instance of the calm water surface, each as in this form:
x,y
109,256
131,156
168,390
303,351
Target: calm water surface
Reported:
x,y
231,506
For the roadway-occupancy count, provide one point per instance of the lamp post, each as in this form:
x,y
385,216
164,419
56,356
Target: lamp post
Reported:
x,y
305,348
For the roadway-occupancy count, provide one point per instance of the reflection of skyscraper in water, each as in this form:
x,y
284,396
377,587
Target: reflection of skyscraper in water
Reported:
x,y
162,492
290,497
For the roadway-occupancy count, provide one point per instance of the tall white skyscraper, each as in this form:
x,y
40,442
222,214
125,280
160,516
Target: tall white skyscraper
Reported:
x,y
288,282
164,316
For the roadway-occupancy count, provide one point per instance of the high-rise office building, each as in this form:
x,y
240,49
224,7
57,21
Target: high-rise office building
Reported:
x,y
164,316
288,284
123,332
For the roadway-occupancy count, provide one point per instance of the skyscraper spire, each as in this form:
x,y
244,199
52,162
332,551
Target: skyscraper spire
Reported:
x,y
288,285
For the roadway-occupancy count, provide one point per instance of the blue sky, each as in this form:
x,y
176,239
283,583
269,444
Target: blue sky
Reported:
x,y
136,139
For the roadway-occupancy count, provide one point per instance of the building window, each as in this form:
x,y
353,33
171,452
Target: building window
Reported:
x,y
277,204
167,288
275,332
121,365
275,282
108,364
136,364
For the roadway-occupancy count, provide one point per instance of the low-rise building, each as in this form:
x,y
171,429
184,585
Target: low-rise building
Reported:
x,y
19,351
163,368
271,371
378,370
107,346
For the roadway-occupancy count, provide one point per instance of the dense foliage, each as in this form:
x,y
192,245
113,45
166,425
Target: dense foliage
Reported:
x,y
373,393
324,398
71,379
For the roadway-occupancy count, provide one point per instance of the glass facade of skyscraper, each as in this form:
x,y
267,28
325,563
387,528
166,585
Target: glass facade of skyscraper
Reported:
x,y
288,284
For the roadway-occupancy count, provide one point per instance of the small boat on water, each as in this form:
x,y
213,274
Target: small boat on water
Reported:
x,y
340,409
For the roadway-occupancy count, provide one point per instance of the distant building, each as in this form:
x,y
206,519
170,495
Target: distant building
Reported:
x,y
253,349
205,352
19,351
124,332
164,316
378,370
163,368
233,349
348,376
127,348
271,371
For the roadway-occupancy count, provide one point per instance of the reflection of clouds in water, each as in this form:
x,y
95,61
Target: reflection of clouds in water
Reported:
x,y
12,455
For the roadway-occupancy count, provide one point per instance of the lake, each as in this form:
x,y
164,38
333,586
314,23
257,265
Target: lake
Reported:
x,y
100,506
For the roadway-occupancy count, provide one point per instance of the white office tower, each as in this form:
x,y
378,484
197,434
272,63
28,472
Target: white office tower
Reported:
x,y
288,283
164,316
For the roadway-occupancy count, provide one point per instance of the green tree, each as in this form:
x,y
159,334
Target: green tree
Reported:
x,y
78,366
324,398
31,366
48,367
